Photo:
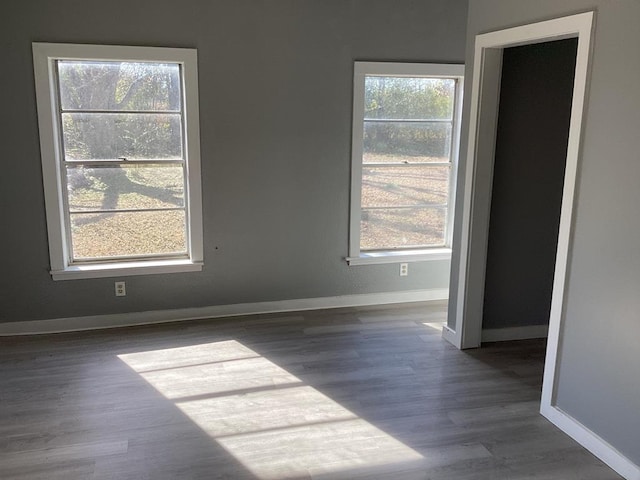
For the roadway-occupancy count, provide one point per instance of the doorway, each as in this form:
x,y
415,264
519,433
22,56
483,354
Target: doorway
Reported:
x,y
534,114
466,305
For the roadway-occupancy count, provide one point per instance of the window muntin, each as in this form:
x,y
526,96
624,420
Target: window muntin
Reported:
x,y
406,122
118,181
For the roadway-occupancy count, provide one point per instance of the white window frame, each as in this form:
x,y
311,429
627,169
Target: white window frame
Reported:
x,y
429,70
45,56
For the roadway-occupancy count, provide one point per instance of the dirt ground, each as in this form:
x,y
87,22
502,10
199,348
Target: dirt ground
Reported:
x,y
393,207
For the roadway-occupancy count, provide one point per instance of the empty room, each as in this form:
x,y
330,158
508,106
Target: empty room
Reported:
x,y
320,239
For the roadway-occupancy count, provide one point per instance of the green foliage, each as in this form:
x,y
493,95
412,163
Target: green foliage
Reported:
x,y
122,88
408,98
400,110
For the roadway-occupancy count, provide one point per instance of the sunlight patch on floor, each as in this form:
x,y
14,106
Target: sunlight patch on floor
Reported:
x,y
267,418
435,325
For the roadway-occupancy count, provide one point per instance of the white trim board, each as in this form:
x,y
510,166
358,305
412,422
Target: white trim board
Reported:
x,y
485,89
450,335
592,442
514,333
94,322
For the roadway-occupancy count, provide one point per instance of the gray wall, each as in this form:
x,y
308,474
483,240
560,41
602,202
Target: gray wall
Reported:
x,y
528,175
600,348
275,80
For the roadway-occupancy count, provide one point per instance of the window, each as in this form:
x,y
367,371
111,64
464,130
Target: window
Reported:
x,y
406,121
120,158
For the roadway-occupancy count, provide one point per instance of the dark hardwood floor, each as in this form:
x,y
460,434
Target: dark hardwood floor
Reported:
x,y
369,393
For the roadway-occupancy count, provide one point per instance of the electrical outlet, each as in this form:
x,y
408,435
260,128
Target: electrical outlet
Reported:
x,y
121,290
404,269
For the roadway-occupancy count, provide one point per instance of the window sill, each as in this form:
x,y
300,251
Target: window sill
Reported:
x,y
126,269
372,258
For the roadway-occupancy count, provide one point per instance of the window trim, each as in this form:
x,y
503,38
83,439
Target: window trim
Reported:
x,y
44,57
361,70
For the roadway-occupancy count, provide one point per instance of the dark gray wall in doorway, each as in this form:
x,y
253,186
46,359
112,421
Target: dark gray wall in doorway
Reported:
x,y
531,147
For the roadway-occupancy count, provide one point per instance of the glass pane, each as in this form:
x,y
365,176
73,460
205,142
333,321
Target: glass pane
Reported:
x,y
389,142
404,186
119,85
402,228
104,136
408,98
125,187
100,235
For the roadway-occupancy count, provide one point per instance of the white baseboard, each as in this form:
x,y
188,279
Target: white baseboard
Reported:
x,y
59,325
450,336
592,442
514,333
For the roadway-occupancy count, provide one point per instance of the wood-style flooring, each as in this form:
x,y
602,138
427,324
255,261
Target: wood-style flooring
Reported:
x,y
368,393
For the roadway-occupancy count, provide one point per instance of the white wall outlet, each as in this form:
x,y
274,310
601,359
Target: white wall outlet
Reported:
x,y
404,269
121,289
